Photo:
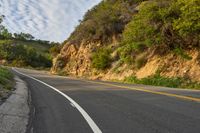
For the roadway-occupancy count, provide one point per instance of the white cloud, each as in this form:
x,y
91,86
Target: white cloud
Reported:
x,y
45,19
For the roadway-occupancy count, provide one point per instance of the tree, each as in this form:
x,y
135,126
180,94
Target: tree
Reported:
x,y
5,34
23,36
55,50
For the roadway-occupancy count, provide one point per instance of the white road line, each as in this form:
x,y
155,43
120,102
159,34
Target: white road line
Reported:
x,y
72,105
89,120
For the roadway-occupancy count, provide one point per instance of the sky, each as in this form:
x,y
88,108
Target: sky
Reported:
x,y
52,20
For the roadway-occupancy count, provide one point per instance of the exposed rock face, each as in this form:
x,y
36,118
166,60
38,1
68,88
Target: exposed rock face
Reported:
x,y
175,66
76,61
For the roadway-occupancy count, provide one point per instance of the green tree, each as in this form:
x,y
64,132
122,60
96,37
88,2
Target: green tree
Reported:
x,y
55,49
5,34
23,36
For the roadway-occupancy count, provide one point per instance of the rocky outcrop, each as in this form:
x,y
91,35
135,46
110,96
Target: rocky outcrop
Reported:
x,y
75,57
76,61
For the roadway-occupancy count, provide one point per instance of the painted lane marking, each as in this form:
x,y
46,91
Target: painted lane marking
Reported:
x,y
72,105
148,91
89,120
142,90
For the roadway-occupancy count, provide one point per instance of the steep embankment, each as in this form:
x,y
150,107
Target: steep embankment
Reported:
x,y
101,26
122,38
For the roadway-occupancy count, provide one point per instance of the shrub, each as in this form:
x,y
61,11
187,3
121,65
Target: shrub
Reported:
x,y
55,50
101,59
188,22
5,78
171,23
125,53
158,80
104,21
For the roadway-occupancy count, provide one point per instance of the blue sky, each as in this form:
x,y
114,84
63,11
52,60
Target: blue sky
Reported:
x,y
52,20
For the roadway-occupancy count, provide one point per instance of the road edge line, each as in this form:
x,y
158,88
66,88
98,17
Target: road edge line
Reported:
x,y
85,115
150,91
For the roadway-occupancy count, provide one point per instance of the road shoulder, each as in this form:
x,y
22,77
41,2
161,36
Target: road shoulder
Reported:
x,y
14,112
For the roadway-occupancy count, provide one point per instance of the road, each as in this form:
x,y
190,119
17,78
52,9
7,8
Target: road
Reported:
x,y
68,105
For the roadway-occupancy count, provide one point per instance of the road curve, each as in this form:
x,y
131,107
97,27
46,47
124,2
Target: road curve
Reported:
x,y
111,107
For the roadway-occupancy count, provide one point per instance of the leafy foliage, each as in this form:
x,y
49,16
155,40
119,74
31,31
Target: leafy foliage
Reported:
x,y
158,80
169,23
101,59
20,55
5,77
188,22
103,21
20,49
55,49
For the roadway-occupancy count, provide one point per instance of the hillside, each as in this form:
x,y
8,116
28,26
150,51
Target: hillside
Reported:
x,y
39,46
25,53
23,50
135,40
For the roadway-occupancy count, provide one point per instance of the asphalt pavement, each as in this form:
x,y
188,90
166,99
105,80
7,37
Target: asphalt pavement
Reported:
x,y
69,105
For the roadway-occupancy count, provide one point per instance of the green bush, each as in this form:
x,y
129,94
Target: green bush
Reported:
x,y
55,50
5,73
158,80
125,53
101,59
188,22
6,78
169,23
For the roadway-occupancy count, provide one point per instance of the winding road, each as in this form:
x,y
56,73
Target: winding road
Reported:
x,y
69,105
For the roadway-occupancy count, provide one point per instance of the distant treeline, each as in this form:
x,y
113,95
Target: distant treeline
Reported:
x,y
22,55
22,49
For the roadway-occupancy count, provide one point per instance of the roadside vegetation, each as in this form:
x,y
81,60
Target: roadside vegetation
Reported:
x,y
166,25
103,21
23,50
158,80
5,77
136,31
101,59
163,26
6,83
